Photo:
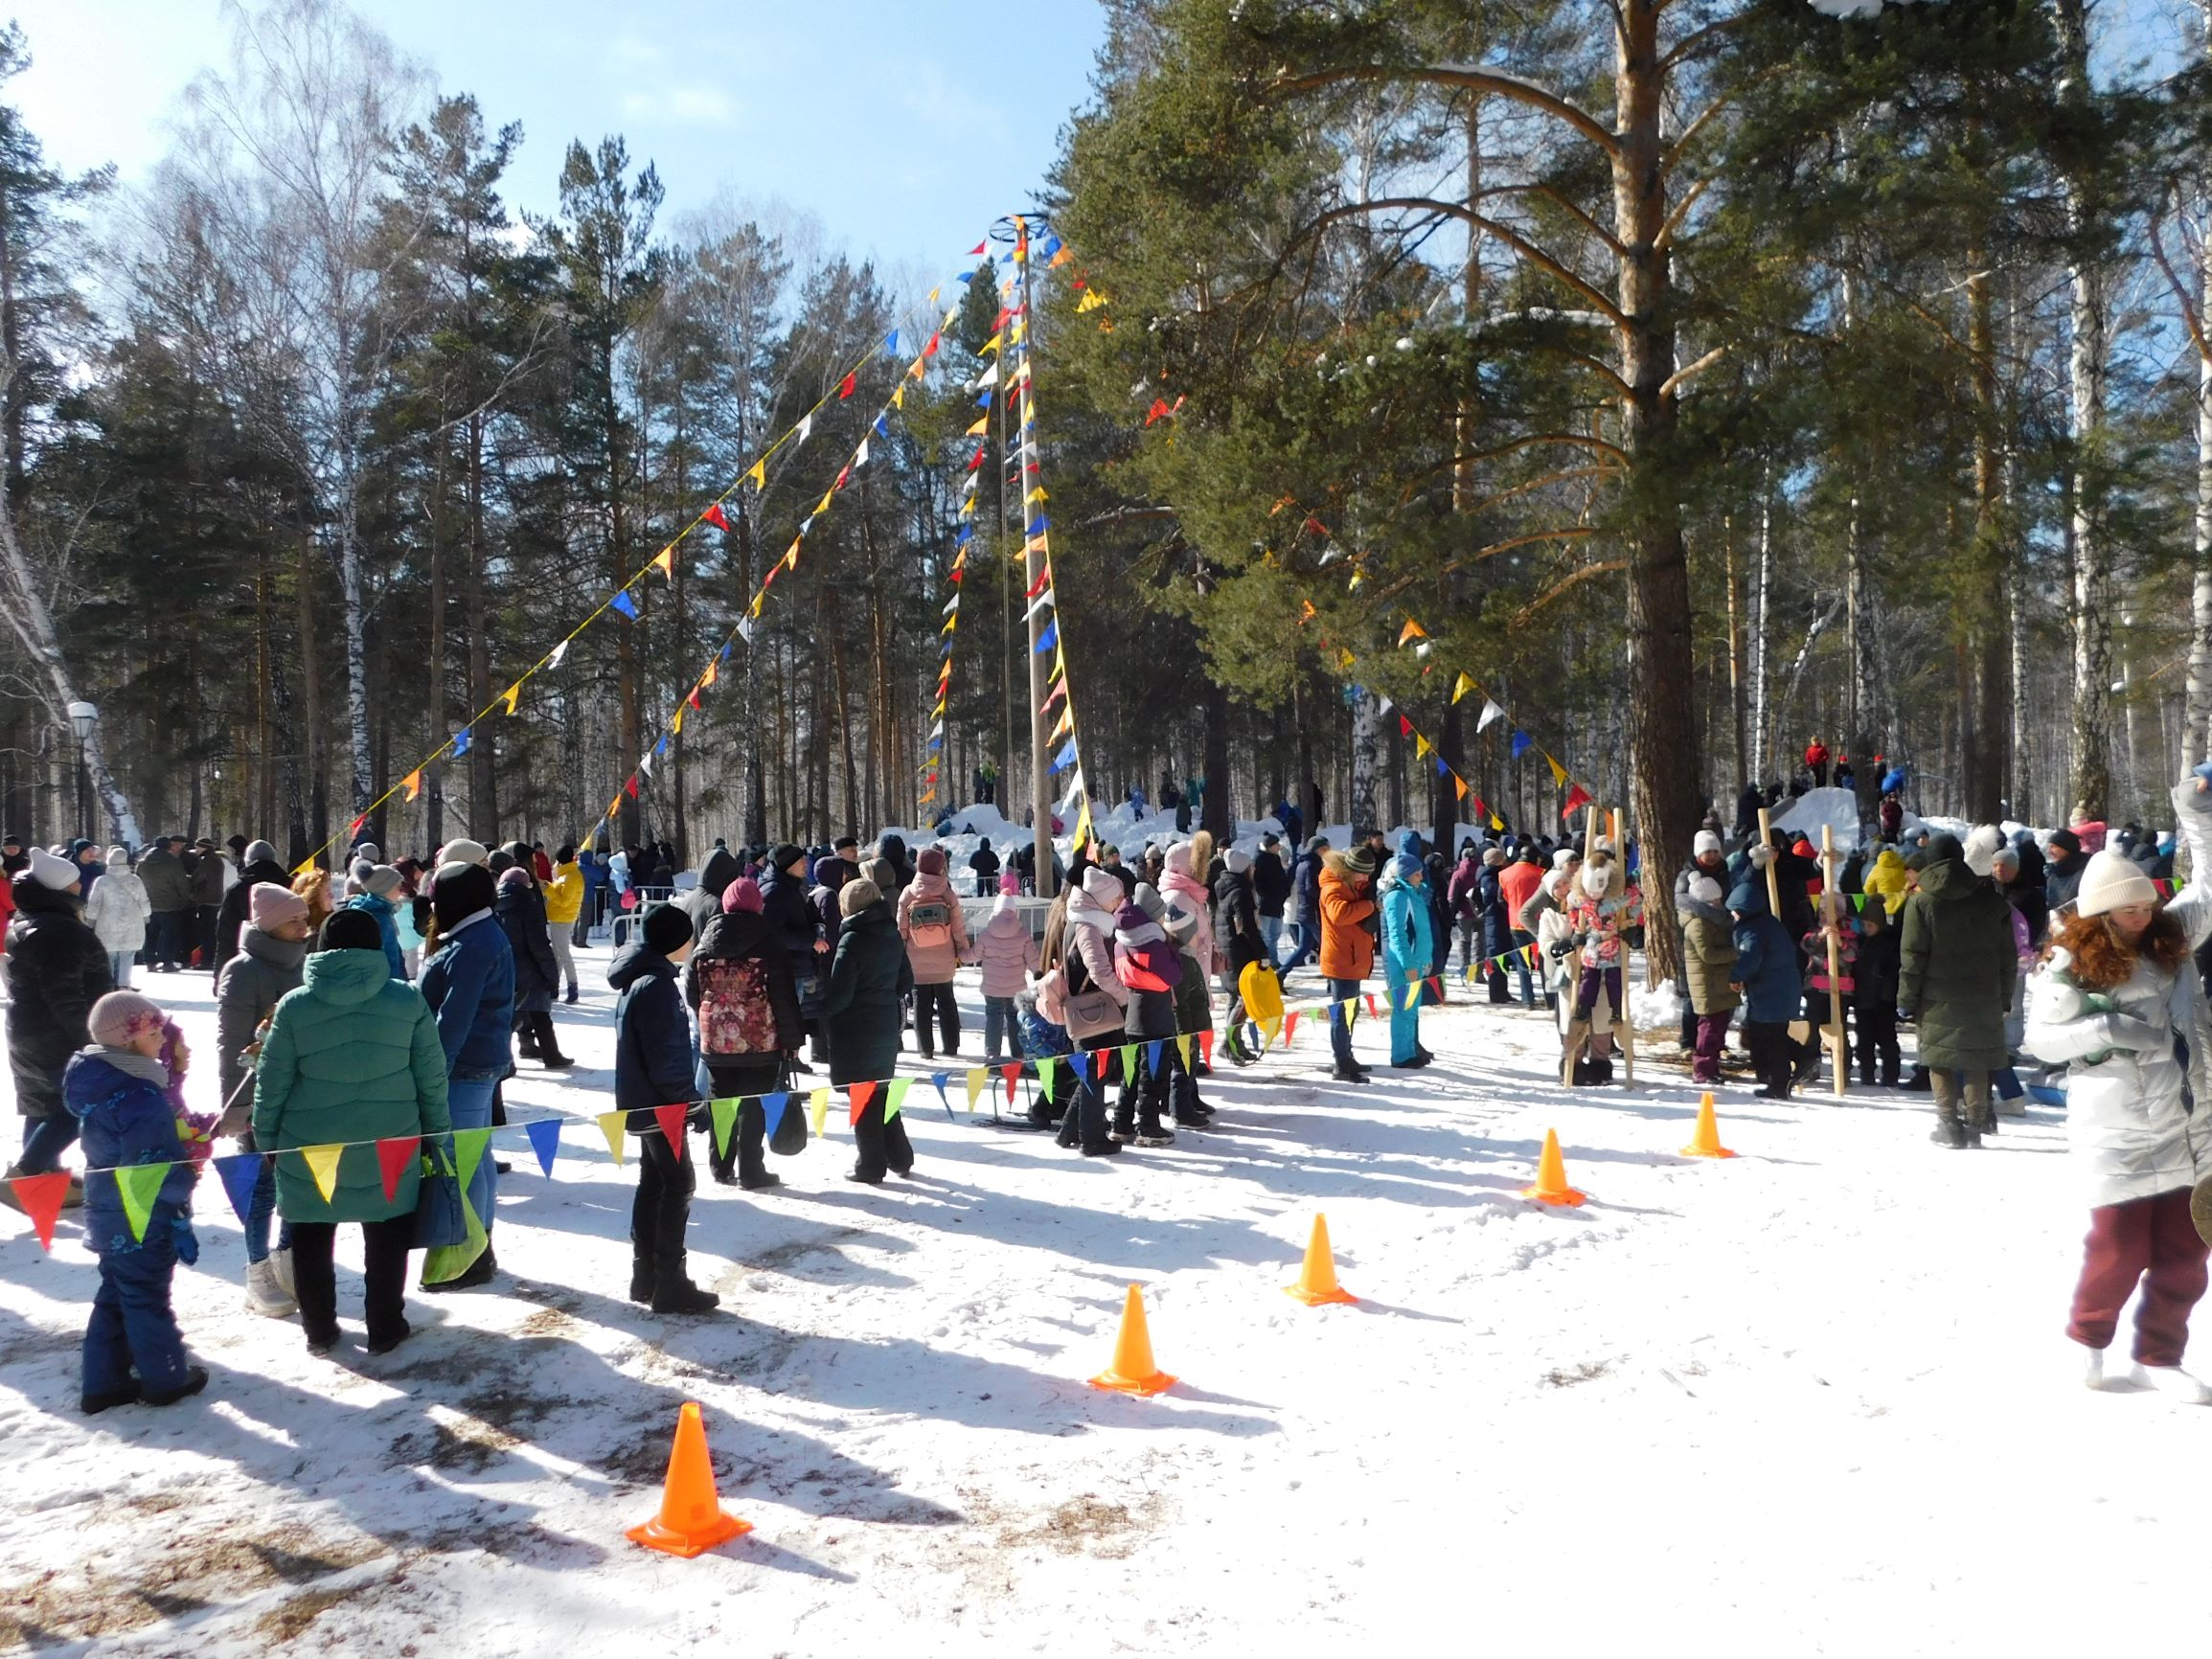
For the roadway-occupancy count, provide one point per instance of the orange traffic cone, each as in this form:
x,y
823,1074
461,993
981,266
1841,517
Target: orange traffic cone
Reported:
x,y
1134,1371
1707,1142
692,1519
1317,1281
1551,1175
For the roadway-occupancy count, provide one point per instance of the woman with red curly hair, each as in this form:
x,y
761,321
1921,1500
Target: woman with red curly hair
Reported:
x,y
2119,1002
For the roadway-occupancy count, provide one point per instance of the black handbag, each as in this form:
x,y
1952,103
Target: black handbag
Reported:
x,y
788,1138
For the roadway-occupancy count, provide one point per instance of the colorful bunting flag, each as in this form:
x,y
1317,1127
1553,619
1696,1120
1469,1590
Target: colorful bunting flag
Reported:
x,y
545,1140
393,1157
611,1125
138,1185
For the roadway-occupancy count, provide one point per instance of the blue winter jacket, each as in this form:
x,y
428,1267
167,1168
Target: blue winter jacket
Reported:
x,y
469,986
387,924
127,1119
1408,933
653,1063
1766,956
1306,879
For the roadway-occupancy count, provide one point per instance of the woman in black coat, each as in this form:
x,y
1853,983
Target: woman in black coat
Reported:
x,y
869,979
56,969
739,984
520,913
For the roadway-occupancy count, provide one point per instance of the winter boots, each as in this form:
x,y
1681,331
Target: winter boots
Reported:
x,y
673,1289
266,1292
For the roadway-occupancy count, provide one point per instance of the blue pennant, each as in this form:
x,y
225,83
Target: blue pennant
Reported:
x,y
773,1107
1047,640
1065,759
545,1140
938,1079
623,602
1523,742
461,739
240,1174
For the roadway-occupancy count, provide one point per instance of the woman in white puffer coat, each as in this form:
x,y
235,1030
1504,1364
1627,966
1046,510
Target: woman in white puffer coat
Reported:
x,y
2118,1001
118,911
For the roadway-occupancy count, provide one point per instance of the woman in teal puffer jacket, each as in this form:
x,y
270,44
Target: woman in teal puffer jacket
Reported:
x,y
351,1056
1408,952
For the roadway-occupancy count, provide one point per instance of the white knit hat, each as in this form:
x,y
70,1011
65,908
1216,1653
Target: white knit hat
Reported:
x,y
1981,848
54,873
1707,842
2111,880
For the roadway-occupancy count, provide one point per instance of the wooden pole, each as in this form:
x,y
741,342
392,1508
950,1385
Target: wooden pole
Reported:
x,y
1832,902
1773,890
1625,1026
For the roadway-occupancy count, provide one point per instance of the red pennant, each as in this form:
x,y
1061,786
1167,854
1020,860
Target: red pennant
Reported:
x,y
631,788
1405,727
1157,412
977,460
859,1094
1206,1047
713,515
671,1120
1043,581
930,349
842,478
392,1157
1001,321
1316,527
978,247
1289,1025
1373,1013
1010,1074
1578,796
355,827
41,1197
846,385
693,698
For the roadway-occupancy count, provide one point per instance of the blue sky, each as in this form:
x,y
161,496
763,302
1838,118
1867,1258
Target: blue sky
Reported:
x,y
903,126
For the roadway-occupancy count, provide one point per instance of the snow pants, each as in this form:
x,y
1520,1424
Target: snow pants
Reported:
x,y
936,999
1711,1039
2151,1241
132,1323
1404,1022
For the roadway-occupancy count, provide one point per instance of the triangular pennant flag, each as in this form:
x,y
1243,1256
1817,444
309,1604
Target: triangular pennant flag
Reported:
x,y
1490,711
1206,1047
1412,630
846,386
724,1113
1373,1013
1289,1026
241,1174
461,741
665,561
511,696
894,1097
672,1120
612,1125
469,1147
140,1184
545,1140
1578,796
1412,996
560,651
392,1157
623,602
413,784
758,477
1522,743
938,1080
977,1080
41,1197
1047,1066
860,1094
714,517
1559,772
1183,1048
773,1107
322,1164
1461,687
1012,1074
818,1103
1157,1054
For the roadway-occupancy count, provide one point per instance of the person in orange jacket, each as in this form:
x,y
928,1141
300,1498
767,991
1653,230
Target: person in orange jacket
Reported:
x,y
1347,946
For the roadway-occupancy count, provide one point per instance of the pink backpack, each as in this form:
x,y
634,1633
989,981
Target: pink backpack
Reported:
x,y
735,1014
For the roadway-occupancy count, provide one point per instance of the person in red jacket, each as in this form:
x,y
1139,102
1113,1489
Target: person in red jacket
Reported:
x,y
1817,762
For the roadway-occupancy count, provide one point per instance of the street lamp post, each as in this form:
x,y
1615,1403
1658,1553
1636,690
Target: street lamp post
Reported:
x,y
82,718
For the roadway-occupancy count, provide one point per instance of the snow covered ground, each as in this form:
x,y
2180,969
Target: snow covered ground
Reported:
x,y
1811,1400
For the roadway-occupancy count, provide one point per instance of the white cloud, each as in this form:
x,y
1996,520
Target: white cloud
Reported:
x,y
681,106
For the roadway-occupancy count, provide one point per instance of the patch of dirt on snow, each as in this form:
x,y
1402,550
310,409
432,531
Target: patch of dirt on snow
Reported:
x,y
190,1572
546,1322
1086,1525
1588,1370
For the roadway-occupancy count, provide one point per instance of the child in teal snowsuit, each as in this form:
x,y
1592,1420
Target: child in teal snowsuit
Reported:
x,y
1408,945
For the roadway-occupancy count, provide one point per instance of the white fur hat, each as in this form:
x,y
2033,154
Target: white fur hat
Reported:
x,y
1981,848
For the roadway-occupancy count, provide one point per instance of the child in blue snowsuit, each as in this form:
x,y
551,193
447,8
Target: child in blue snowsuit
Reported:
x,y
117,1088
1766,972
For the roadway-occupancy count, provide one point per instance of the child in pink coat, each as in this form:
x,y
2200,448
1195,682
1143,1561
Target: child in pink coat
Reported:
x,y
1007,953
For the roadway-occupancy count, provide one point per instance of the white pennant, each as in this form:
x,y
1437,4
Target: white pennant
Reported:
x,y
806,427
990,377
1043,600
1490,711
559,652
950,605
746,628
1385,708
645,767
860,455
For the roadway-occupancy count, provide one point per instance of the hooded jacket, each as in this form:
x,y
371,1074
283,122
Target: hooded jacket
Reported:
x,y
2138,1122
790,918
1409,934
1957,964
1890,880
1306,881
2063,879
351,1056
116,909
127,1119
521,915
1347,947
470,984
1766,959
56,971
1184,889
1006,951
565,895
704,903
933,964
1236,922
869,974
653,1064
1148,965
386,916
1270,881
266,970
1088,945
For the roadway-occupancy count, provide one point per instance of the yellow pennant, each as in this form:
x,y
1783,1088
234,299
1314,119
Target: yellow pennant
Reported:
x,y
612,1125
1461,688
990,344
981,427
677,725
821,1108
323,1164
1460,783
791,554
1559,772
1183,1048
666,561
933,299
757,478
514,695
899,396
1037,496
978,1077
823,505
1066,722
1419,747
413,784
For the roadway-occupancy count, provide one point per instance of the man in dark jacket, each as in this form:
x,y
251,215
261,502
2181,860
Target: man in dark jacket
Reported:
x,y
1270,891
654,1070
1237,938
1306,882
2063,871
260,865
169,891
1955,977
869,979
56,969
892,848
208,875
983,862
704,903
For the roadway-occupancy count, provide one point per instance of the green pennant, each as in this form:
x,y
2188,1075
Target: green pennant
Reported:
x,y
725,1116
1128,1054
139,1185
894,1097
1859,901
1046,1066
468,1150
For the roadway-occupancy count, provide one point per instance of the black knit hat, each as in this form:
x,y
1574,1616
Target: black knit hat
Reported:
x,y
666,929
460,893
784,854
352,930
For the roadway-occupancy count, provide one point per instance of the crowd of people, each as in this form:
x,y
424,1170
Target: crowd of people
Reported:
x,y
390,1003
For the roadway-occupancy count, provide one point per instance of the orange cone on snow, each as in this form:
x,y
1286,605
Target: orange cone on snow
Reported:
x,y
1551,1176
1134,1371
1318,1280
1707,1142
692,1519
